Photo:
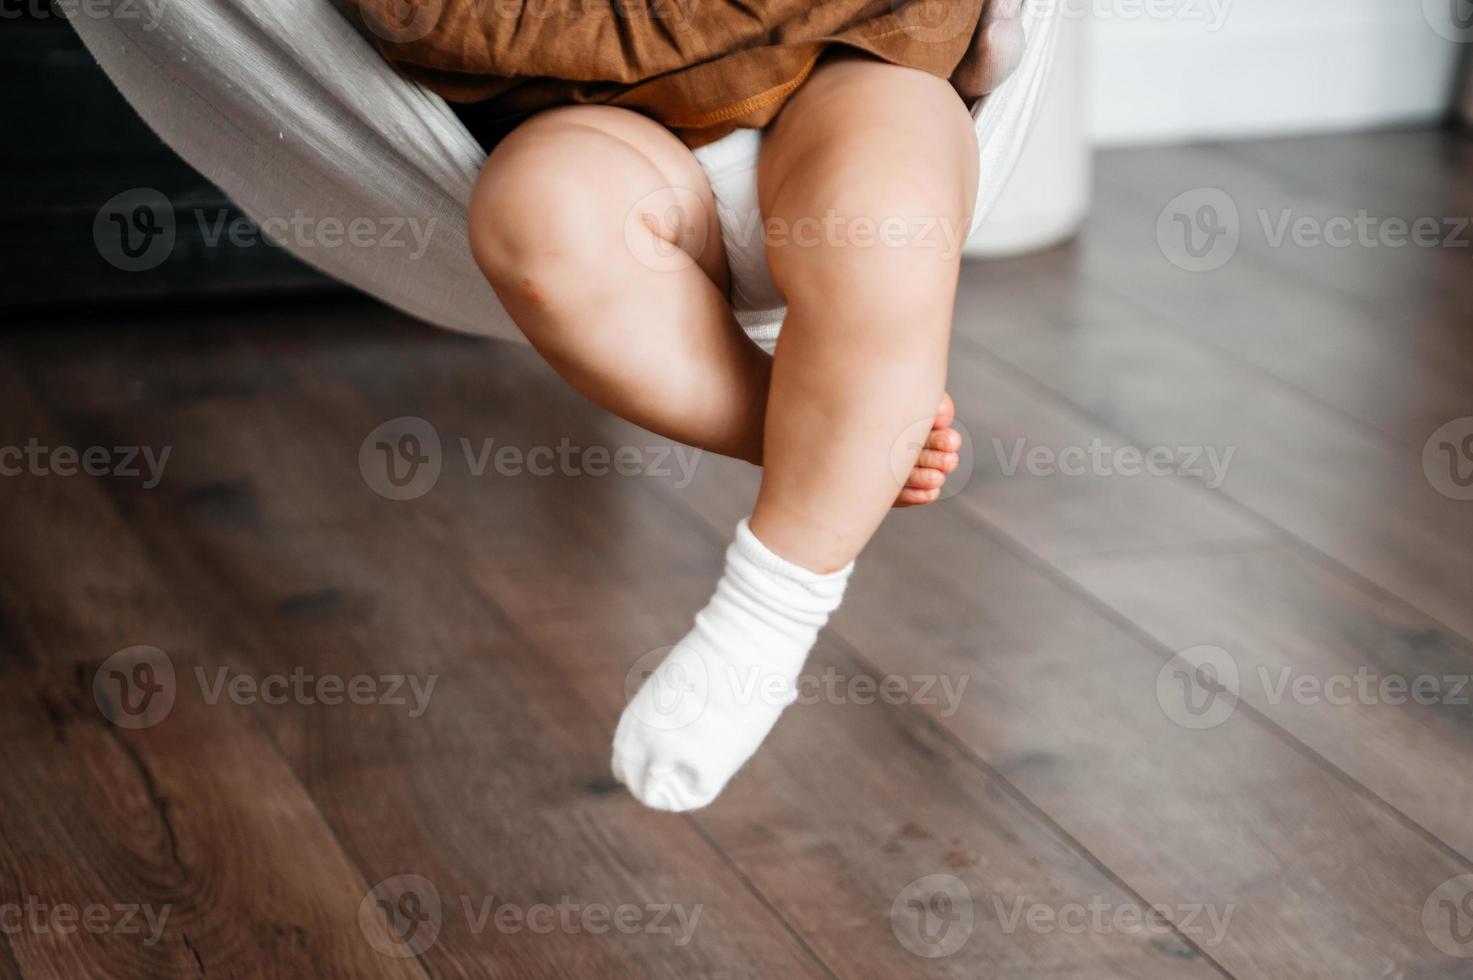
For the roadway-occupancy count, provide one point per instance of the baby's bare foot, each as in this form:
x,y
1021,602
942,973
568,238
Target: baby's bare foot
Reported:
x,y
996,50
938,457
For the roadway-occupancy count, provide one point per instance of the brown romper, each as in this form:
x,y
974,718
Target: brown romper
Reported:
x,y
700,67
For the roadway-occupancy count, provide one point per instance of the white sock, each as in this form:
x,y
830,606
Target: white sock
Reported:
x,y
714,698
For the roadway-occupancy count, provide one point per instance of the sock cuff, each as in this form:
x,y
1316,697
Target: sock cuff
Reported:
x,y
750,547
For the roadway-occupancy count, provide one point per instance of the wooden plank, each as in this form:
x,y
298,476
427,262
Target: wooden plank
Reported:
x,y
1014,619
499,793
1377,334
188,844
1362,501
1396,169
1067,487
1067,712
1412,290
833,870
556,663
1324,880
1376,689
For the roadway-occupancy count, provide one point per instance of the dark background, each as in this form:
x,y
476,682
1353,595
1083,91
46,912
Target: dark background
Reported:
x,y
71,143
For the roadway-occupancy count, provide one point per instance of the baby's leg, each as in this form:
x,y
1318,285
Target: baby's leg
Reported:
x,y
598,231
887,156
867,181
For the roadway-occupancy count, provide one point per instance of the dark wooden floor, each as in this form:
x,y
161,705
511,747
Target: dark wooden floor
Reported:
x,y
1071,786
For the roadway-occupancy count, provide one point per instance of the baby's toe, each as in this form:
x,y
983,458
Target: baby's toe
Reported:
x,y
923,478
934,459
944,441
911,497
945,413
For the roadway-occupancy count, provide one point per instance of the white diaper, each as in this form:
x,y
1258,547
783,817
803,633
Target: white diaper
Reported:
x,y
1002,123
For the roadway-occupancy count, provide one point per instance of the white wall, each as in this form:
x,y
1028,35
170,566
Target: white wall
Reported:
x,y
1167,70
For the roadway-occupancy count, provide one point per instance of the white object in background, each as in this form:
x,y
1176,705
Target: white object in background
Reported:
x,y
1213,69
1047,196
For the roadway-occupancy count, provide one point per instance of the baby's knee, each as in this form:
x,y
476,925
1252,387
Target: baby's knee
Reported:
x,y
529,221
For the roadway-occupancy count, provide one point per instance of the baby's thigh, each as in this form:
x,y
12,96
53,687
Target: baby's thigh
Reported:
x,y
864,133
577,181
867,182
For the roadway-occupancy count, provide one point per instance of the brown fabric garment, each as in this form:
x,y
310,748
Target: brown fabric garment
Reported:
x,y
700,67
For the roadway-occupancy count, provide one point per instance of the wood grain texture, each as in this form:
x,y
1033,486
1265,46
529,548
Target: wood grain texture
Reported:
x,y
498,794
1027,753
1381,692
1301,467
1063,704
192,836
